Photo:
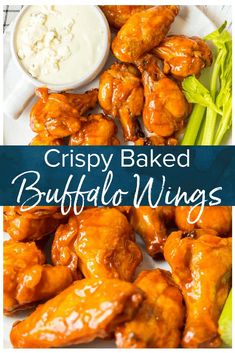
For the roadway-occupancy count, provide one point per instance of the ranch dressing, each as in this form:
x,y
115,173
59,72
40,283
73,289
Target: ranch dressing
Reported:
x,y
60,44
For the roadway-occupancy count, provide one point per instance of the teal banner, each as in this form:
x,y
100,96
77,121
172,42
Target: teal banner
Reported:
x,y
113,176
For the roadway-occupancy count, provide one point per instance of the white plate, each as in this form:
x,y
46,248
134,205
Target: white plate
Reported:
x,y
191,21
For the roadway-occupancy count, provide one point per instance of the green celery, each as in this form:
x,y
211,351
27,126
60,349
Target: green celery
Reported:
x,y
225,122
193,125
211,115
195,92
224,98
200,134
225,321
219,38
216,101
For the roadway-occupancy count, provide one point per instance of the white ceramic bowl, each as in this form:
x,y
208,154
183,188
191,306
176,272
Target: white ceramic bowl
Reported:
x,y
88,77
25,88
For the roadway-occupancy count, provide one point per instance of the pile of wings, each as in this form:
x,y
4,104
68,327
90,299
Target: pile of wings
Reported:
x,y
144,85
89,284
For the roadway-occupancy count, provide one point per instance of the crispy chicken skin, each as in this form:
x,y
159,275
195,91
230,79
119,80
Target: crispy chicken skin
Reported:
x,y
16,258
151,224
26,278
124,209
159,320
88,309
96,129
183,56
121,96
218,218
155,140
100,242
33,224
45,139
117,15
58,114
143,32
201,265
166,107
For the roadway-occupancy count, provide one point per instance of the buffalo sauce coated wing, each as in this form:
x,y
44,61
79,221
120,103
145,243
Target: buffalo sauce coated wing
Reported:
x,y
201,265
88,309
96,129
183,56
121,96
218,218
33,224
143,32
16,258
165,108
124,209
117,15
100,242
44,139
58,114
26,278
151,224
156,140
159,320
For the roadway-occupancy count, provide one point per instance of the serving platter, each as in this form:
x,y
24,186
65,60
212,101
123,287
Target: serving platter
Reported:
x,y
191,21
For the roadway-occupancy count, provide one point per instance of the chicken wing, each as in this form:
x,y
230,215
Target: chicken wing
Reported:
x,y
218,218
59,114
155,140
100,242
124,209
151,224
33,224
165,108
121,95
96,129
159,320
117,15
26,279
89,308
201,264
183,56
43,139
143,32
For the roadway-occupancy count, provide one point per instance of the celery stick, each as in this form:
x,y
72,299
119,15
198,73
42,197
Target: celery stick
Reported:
x,y
224,98
221,40
193,125
225,321
197,93
225,123
215,100
200,134
211,115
